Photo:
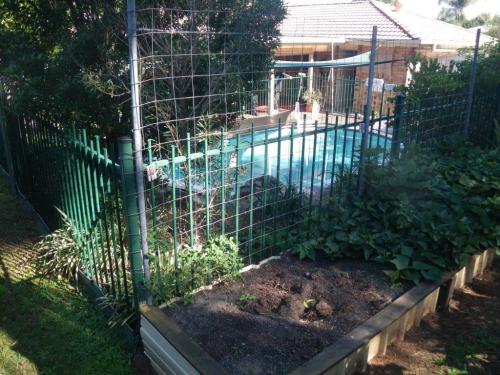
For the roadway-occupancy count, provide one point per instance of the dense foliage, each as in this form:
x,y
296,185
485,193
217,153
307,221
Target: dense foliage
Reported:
x,y
489,24
194,267
431,79
424,214
68,60
454,10
216,56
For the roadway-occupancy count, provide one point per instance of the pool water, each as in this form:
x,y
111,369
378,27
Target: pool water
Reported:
x,y
304,155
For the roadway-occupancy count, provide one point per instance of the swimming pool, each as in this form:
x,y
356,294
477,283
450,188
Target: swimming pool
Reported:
x,y
302,152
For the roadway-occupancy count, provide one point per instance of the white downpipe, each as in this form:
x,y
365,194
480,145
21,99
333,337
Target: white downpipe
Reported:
x,y
271,93
310,74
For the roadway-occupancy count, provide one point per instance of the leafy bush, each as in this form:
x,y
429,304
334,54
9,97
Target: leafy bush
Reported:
x,y
58,253
424,214
431,79
196,266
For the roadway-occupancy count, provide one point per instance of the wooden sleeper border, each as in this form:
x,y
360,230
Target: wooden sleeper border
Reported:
x,y
171,351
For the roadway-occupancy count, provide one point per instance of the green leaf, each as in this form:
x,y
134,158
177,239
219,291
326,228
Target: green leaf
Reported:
x,y
421,265
367,252
432,274
331,246
406,250
401,262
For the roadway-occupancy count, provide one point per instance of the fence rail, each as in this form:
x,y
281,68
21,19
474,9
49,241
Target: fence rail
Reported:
x,y
61,169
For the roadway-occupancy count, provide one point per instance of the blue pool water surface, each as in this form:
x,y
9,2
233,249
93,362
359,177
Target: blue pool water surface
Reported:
x,y
316,160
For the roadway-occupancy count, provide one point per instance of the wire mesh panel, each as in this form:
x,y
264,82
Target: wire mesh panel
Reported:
x,y
253,115
231,143
485,120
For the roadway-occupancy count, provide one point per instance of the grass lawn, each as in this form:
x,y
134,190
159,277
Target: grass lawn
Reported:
x,y
45,326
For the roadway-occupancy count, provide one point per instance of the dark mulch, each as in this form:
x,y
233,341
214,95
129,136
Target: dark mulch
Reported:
x,y
463,340
277,317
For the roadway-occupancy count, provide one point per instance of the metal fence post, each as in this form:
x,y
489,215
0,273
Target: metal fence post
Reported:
x,y
497,108
130,202
368,111
4,136
137,131
398,119
472,83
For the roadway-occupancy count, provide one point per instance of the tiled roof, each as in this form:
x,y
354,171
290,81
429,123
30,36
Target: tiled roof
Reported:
x,y
431,31
325,21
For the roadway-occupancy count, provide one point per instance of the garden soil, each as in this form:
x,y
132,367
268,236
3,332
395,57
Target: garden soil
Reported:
x,y
463,340
275,318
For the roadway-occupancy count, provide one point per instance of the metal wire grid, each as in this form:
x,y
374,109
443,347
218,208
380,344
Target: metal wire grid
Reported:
x,y
216,166
192,69
260,182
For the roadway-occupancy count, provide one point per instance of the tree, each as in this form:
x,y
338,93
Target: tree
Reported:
x,y
430,79
216,55
494,27
66,61
454,12
491,25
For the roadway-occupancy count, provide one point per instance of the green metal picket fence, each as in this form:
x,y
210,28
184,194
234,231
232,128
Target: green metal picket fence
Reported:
x,y
61,169
260,187
3,161
263,186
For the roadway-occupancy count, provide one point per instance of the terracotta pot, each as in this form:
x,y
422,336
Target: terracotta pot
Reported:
x,y
309,107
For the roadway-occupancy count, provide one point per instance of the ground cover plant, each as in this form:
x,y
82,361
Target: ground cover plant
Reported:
x,y
423,214
194,266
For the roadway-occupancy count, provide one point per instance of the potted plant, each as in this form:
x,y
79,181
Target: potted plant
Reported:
x,y
313,101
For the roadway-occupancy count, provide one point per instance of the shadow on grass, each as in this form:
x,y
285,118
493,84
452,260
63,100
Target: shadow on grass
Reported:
x,y
56,330
45,326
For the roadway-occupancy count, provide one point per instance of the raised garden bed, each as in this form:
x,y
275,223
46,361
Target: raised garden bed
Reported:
x,y
292,317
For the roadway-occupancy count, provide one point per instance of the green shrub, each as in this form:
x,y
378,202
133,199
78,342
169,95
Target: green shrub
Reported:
x,y
424,214
58,253
196,266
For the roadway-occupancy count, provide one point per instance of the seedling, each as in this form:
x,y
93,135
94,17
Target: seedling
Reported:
x,y
440,361
187,300
247,297
308,303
